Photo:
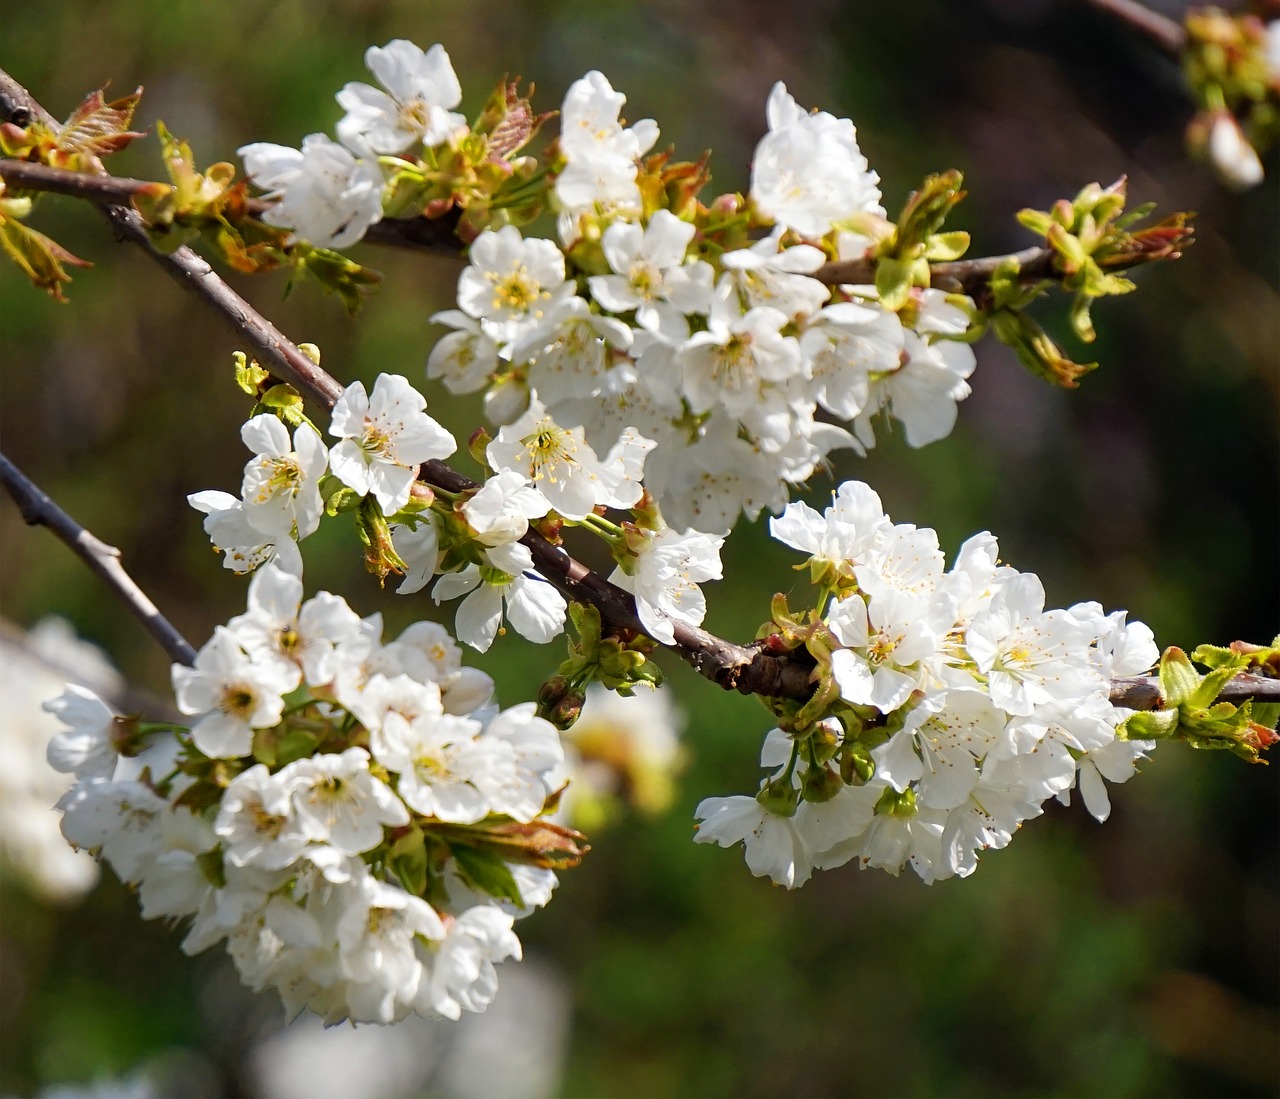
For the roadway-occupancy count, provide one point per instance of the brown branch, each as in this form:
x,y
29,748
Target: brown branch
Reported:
x,y
958,276
415,234
1142,692
437,235
747,669
104,560
1163,31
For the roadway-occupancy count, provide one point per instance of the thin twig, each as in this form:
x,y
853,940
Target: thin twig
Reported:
x,y
39,510
1163,31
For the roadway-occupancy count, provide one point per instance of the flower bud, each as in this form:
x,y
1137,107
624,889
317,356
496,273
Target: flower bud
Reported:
x,y
821,784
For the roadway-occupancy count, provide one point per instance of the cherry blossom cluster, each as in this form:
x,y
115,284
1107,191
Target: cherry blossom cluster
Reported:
x,y
716,358
471,542
352,817
957,705
720,358
383,437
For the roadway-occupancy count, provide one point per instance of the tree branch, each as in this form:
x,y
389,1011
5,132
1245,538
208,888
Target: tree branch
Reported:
x,y
104,560
966,276
1163,31
1142,692
748,669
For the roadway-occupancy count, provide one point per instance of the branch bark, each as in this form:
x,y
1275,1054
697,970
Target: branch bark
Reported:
x,y
748,669
39,510
1163,31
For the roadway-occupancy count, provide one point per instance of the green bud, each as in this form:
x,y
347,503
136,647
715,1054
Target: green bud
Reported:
x,y
779,797
819,784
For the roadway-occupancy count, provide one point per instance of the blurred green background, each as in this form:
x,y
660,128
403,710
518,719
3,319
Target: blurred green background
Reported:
x,y
1136,958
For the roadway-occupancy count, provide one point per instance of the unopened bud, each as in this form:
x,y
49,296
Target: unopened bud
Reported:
x,y
856,765
821,784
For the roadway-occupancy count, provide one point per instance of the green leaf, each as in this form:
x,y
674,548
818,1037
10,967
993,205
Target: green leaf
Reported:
x,y
1178,679
893,282
944,247
40,258
487,872
1148,725
286,402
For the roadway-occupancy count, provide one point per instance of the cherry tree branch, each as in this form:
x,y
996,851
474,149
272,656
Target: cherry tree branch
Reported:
x,y
748,669
417,234
1163,31
39,510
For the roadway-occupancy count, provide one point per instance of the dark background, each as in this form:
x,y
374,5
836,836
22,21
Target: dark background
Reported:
x,y
1137,957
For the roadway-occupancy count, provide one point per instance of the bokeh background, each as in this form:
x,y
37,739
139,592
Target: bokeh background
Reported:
x,y
1135,958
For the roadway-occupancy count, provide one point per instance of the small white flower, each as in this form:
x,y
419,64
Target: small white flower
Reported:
x,y
571,351
123,819
462,974
244,547
651,278
500,512
339,802
385,436
665,578
86,748
1233,158
310,636
447,769
256,822
774,846
512,283
234,694
808,171
324,194
559,461
535,609
601,153
281,488
420,90
467,357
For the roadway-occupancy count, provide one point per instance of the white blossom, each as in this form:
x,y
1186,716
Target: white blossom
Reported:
x,y
808,172
322,192
385,436
421,88
666,572
281,488
233,694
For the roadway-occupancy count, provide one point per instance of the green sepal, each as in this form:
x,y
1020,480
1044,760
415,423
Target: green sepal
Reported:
x,y
819,784
487,872
374,530
1179,681
893,282
337,496
779,797
212,868
407,859
199,796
